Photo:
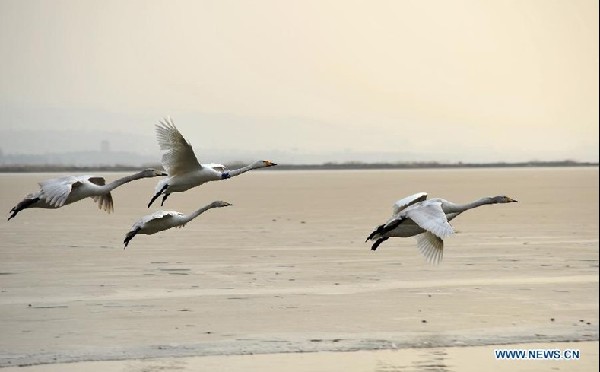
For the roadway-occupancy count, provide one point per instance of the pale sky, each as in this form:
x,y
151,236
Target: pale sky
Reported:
x,y
416,80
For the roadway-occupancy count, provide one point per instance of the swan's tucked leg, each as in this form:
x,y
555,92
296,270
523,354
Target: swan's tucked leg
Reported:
x,y
157,195
165,196
378,242
130,236
25,203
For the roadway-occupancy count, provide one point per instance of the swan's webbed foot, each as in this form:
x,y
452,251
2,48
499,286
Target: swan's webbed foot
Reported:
x,y
165,196
22,205
378,242
153,199
378,230
164,188
13,214
130,236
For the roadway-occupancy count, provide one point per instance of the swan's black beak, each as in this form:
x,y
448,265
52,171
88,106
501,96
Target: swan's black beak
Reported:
x,y
510,200
164,174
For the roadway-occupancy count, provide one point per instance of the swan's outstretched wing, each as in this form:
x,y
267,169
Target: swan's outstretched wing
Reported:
x,y
104,202
409,200
431,247
57,190
179,157
158,215
155,217
152,223
430,217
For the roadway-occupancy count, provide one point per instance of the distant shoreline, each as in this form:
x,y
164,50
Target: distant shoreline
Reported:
x,y
325,166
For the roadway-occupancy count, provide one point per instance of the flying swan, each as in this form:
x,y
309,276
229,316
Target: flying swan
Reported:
x,y
184,170
58,192
164,220
427,221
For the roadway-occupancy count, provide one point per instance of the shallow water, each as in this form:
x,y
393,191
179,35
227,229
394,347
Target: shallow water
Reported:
x,y
286,267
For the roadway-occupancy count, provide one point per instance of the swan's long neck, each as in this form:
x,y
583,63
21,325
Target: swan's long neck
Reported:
x,y
195,214
456,209
237,172
121,181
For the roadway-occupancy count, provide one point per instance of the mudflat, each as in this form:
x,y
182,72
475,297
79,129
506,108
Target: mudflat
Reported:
x,y
286,269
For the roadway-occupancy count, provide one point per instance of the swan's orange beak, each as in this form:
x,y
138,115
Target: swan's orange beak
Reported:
x,y
269,163
510,200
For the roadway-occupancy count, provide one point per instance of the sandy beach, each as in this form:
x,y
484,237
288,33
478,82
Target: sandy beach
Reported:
x,y
286,270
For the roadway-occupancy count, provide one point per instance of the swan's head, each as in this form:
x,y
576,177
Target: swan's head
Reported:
x,y
263,164
503,199
150,172
218,204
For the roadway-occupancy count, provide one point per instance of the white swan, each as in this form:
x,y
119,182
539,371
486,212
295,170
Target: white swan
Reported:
x,y
164,220
427,220
183,168
62,191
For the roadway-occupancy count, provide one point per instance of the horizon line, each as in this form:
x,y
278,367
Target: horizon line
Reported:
x,y
350,165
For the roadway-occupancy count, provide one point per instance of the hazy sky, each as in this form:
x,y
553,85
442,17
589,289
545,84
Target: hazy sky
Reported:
x,y
426,80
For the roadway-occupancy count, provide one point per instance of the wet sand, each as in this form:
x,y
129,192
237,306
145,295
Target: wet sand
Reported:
x,y
286,269
464,359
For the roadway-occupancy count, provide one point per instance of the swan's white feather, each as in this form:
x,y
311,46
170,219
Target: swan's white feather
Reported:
x,y
401,204
179,157
217,167
56,191
157,221
431,247
157,216
431,217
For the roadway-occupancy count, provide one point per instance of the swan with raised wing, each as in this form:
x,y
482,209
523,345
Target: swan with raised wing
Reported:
x,y
427,221
58,192
184,170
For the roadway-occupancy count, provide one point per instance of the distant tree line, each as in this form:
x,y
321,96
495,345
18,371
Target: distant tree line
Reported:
x,y
324,166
